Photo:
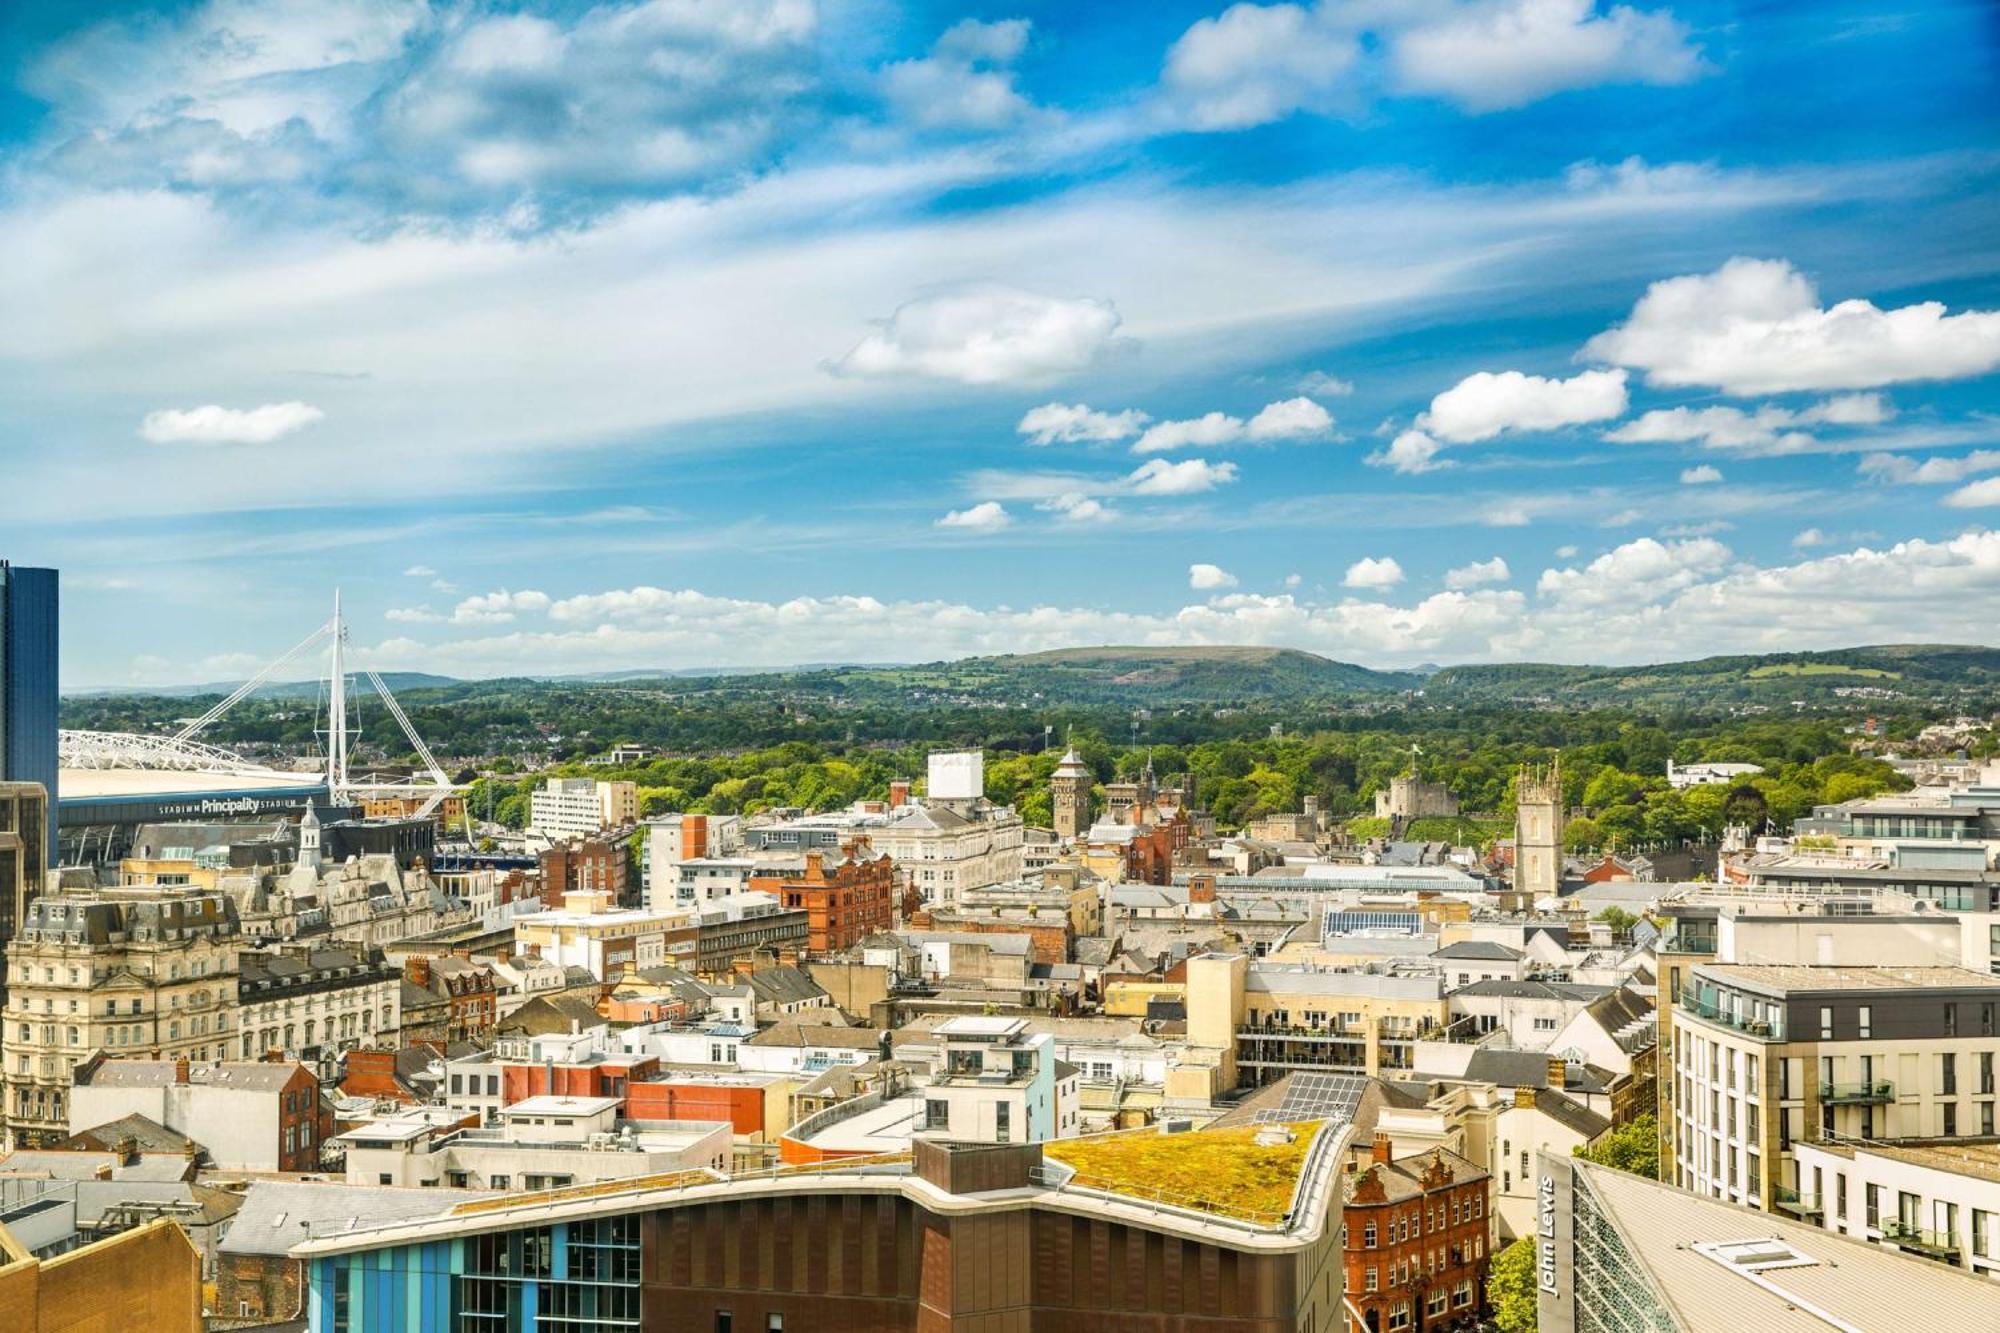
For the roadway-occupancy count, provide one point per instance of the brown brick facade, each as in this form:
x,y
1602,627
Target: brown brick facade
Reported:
x,y
1416,1242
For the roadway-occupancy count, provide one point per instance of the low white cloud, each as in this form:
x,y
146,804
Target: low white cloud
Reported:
x,y
1411,452
1639,571
1769,429
1906,471
214,424
420,572
1755,326
1976,495
1485,404
967,80
986,335
1322,385
1487,55
412,615
1702,475
1291,419
986,516
1478,574
1076,507
1190,476
1206,578
1253,64
1373,572
1809,538
1566,552
497,608
1075,423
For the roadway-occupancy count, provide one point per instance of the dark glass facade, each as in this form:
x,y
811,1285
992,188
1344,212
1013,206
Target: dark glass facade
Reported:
x,y
28,691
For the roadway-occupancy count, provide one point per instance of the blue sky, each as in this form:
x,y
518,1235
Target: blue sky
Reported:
x,y
574,337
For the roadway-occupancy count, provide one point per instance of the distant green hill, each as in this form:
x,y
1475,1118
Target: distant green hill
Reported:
x,y
1127,675
1915,671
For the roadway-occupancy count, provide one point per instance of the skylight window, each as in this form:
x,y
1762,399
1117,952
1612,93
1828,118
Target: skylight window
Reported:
x,y
1755,1256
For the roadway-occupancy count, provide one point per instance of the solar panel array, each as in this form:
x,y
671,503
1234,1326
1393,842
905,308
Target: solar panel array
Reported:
x,y
1313,1096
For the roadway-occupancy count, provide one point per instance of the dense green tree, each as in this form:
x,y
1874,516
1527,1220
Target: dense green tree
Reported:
x,y
1634,1146
1510,1288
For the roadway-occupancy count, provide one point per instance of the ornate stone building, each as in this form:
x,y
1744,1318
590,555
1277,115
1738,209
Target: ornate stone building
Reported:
x,y
1538,830
129,971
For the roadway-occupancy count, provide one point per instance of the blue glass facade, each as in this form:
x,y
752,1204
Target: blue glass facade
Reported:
x,y
566,1277
28,689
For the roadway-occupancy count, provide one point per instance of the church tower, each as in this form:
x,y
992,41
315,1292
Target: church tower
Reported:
x,y
1069,796
1538,828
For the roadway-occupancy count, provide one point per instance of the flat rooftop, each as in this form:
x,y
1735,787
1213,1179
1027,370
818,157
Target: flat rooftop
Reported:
x,y
547,1105
880,1129
86,784
1800,977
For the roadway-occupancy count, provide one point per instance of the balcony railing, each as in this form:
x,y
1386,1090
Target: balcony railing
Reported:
x,y
1941,1243
1787,1200
1772,1029
1876,1093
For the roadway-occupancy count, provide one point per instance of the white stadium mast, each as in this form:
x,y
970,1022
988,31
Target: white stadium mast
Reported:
x,y
183,751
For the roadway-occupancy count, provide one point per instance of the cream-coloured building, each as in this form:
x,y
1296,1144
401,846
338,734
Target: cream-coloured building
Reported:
x,y
579,807
587,931
1267,1019
1937,1200
129,971
1768,1056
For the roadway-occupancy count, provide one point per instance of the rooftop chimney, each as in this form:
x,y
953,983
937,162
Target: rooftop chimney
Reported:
x,y
1384,1151
1557,1068
181,1070
899,794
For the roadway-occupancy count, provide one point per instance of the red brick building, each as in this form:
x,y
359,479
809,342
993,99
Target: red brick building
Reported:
x,y
468,988
587,865
1417,1236
845,902
1149,857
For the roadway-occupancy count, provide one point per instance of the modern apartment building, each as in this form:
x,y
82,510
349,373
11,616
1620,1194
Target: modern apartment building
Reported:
x,y
1936,1199
1263,1019
993,1081
1768,1056
578,807
142,971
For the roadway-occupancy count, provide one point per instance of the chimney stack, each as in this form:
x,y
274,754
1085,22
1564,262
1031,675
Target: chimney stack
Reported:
x,y
1384,1151
899,794
418,969
1557,1069
181,1070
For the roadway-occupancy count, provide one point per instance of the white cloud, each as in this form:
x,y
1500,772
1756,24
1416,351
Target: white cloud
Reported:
x,y
1907,471
1478,574
1975,495
1767,429
986,516
1322,385
1637,572
412,615
1808,539
1373,572
1484,404
1755,326
986,335
1291,419
497,608
1293,580
1507,516
1206,578
1208,429
213,424
1703,475
1076,507
1410,452
1253,64
1190,476
1624,518
420,572
1487,55
1566,552
1074,423
967,81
